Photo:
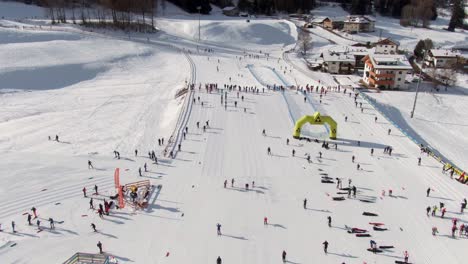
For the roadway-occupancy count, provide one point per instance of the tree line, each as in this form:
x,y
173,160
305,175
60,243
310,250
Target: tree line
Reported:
x,y
125,14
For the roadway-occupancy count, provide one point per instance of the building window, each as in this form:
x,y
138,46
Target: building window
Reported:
x,y
333,62
400,72
399,79
385,45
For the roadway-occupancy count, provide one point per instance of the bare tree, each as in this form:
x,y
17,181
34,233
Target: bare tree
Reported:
x,y
304,41
448,76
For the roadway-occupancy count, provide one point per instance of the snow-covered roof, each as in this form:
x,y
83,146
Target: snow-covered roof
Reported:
x,y
359,19
350,50
229,8
444,53
336,19
383,61
342,57
387,41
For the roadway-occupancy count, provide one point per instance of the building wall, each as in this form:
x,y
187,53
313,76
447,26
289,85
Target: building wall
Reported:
x,y
333,67
395,75
444,62
386,49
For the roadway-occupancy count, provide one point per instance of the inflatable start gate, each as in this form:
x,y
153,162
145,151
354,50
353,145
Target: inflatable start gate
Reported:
x,y
315,119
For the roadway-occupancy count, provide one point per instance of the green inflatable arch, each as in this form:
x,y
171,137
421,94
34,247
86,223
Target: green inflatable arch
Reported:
x,y
315,119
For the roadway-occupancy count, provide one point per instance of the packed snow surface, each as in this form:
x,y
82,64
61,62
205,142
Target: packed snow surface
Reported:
x,y
106,91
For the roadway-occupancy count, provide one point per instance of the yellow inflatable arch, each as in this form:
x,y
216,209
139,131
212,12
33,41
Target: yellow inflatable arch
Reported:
x,y
315,119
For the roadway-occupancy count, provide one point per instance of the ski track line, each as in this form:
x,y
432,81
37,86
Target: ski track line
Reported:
x,y
48,198
75,186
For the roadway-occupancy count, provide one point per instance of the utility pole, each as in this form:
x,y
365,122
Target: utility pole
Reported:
x,y
419,83
199,28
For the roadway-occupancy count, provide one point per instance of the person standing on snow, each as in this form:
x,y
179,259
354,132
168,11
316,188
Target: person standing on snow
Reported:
x,y
283,256
406,255
96,190
139,171
269,151
51,222
34,212
91,204
90,165
225,183
218,228
428,191
13,226
419,161
232,182
265,220
218,260
29,219
325,247
93,226
329,221
305,203
99,245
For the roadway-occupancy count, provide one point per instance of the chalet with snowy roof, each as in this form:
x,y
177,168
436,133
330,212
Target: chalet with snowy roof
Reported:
x,y
386,46
355,24
386,71
441,58
333,23
338,63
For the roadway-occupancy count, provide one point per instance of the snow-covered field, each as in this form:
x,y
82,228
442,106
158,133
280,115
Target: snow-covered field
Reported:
x,y
100,93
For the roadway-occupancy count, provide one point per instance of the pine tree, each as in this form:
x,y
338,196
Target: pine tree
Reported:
x,y
458,14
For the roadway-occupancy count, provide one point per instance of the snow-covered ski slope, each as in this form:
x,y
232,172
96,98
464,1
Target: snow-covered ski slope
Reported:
x,y
104,93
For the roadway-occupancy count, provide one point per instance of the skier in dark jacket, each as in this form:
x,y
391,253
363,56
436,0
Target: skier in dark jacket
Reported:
x,y
218,260
325,247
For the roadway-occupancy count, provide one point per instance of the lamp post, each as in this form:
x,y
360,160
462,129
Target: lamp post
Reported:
x,y
419,83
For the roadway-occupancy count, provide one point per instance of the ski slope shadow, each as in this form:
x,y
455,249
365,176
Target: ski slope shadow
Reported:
x,y
344,255
394,116
235,237
40,78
